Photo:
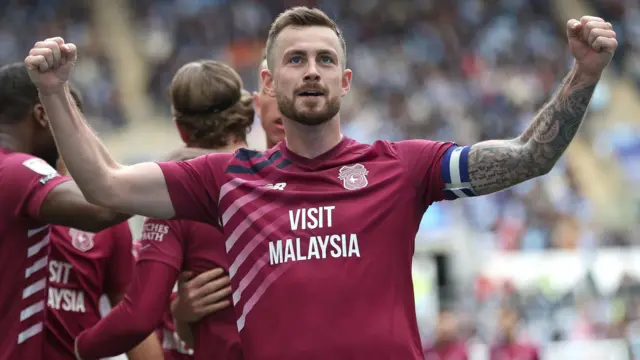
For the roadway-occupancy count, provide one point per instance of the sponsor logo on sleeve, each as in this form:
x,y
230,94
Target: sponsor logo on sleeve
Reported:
x,y
40,167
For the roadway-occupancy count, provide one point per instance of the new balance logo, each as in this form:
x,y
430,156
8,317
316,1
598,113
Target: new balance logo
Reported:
x,y
277,186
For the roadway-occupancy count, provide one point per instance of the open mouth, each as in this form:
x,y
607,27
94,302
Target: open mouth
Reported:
x,y
311,93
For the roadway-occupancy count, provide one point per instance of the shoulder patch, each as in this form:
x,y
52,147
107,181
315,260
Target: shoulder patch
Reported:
x,y
39,166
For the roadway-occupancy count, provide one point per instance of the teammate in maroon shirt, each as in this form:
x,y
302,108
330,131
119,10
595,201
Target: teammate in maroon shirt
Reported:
x,y
217,117
508,346
187,308
447,346
82,267
32,195
320,230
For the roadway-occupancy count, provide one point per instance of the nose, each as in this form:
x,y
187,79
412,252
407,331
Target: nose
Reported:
x,y
312,73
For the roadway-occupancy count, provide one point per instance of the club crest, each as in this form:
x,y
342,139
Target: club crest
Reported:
x,y
354,177
81,240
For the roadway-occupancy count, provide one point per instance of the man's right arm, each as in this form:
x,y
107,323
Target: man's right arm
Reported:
x,y
137,189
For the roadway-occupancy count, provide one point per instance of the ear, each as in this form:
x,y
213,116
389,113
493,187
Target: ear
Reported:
x,y
40,115
346,81
267,82
185,135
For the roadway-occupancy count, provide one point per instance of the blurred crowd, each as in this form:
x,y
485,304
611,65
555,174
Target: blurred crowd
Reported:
x,y
463,70
625,17
536,319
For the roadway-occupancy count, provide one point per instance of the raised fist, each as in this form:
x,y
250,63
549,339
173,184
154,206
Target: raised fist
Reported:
x,y
50,63
592,42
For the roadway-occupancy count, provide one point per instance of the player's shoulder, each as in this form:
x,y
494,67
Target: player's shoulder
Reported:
x,y
13,160
248,161
399,149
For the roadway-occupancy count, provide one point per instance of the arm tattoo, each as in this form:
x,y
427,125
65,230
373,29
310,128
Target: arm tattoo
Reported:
x,y
498,164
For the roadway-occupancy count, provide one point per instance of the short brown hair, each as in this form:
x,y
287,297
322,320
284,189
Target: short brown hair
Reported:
x,y
301,16
209,101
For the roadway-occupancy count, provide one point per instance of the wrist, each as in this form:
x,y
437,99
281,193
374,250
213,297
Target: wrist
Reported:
x,y
582,76
60,90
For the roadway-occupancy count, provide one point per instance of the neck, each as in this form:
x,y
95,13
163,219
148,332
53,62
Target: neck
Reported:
x,y
508,338
310,141
271,144
11,142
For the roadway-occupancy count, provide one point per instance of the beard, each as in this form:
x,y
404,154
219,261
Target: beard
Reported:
x,y
288,108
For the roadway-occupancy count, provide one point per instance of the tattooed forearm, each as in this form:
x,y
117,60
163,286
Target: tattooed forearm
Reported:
x,y
498,164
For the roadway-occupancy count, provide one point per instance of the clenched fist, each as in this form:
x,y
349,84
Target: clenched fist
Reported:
x,y
50,63
592,42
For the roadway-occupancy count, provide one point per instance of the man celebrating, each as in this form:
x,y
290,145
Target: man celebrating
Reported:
x,y
33,195
319,229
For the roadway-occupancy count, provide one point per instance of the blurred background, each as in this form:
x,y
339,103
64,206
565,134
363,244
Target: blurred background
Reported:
x,y
561,251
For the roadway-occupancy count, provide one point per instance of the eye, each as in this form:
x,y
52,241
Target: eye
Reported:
x,y
295,59
326,60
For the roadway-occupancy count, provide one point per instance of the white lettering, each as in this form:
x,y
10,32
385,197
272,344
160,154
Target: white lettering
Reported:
x,y
294,222
323,245
289,254
154,232
313,248
354,250
311,218
335,244
299,256
275,252
66,300
59,271
341,246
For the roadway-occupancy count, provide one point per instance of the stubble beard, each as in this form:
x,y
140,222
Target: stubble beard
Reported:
x,y
288,109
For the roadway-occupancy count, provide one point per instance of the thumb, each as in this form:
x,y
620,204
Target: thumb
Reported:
x,y
573,29
185,276
70,52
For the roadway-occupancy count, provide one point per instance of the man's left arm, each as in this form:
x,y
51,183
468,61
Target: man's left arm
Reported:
x,y
495,165
150,348
119,274
498,164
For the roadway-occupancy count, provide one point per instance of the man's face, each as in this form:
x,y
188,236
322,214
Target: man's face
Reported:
x,y
270,117
44,145
308,78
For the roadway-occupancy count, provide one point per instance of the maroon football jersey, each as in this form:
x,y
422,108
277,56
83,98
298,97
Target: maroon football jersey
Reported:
x,y
197,247
321,249
82,267
455,350
514,351
25,181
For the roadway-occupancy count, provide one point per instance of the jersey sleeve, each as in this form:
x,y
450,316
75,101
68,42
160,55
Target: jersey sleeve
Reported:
x,y
29,179
134,318
121,263
193,187
162,241
440,170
